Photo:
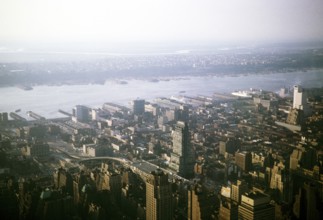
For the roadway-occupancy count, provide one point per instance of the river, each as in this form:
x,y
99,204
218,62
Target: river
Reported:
x,y
46,100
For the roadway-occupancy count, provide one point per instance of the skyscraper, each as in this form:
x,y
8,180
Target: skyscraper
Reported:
x,y
81,113
182,157
200,202
299,98
243,160
306,205
138,106
158,196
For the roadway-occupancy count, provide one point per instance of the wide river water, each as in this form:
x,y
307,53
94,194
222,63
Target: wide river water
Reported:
x,y
46,100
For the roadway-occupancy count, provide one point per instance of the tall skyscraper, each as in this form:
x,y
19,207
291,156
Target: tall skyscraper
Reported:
x,y
158,196
182,157
244,160
138,106
299,98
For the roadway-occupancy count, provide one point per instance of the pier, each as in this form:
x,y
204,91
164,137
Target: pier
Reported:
x,y
16,117
35,116
64,113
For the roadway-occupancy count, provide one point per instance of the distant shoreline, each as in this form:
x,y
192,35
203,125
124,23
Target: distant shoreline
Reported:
x,y
153,79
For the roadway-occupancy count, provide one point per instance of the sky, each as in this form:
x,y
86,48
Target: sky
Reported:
x,y
140,21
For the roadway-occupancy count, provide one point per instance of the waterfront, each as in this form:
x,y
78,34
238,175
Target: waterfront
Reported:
x,y
46,100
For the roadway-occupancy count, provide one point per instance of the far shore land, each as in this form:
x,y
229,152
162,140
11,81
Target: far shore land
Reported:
x,y
153,79
33,69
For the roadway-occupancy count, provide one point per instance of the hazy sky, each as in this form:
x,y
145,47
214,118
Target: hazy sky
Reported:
x,y
160,20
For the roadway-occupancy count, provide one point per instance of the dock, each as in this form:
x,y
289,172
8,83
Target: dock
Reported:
x,y
16,117
64,113
35,116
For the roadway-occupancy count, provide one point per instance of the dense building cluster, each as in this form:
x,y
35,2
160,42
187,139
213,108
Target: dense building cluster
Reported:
x,y
255,156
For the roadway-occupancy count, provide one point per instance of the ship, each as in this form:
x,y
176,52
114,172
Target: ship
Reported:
x,y
247,93
243,94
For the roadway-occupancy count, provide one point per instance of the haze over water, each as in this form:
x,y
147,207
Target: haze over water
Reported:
x,y
46,100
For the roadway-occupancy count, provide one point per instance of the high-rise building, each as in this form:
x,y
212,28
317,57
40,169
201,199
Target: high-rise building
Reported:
x,y
299,98
63,180
230,146
199,203
303,157
81,113
4,117
138,106
182,113
244,160
228,209
158,196
182,157
256,205
306,205
238,189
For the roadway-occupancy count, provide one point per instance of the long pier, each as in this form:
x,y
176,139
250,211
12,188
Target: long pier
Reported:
x,y
35,116
64,113
16,117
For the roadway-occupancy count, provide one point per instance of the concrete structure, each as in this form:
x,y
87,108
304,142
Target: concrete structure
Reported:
x,y
138,106
303,157
305,206
299,98
4,117
93,150
158,196
256,206
244,160
228,210
238,189
182,157
152,108
199,204
81,113
229,146
36,150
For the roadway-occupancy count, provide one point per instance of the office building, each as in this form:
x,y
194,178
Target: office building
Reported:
x,y
228,209
158,196
182,157
81,113
256,205
238,189
200,203
138,106
230,146
299,98
36,149
306,206
244,160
